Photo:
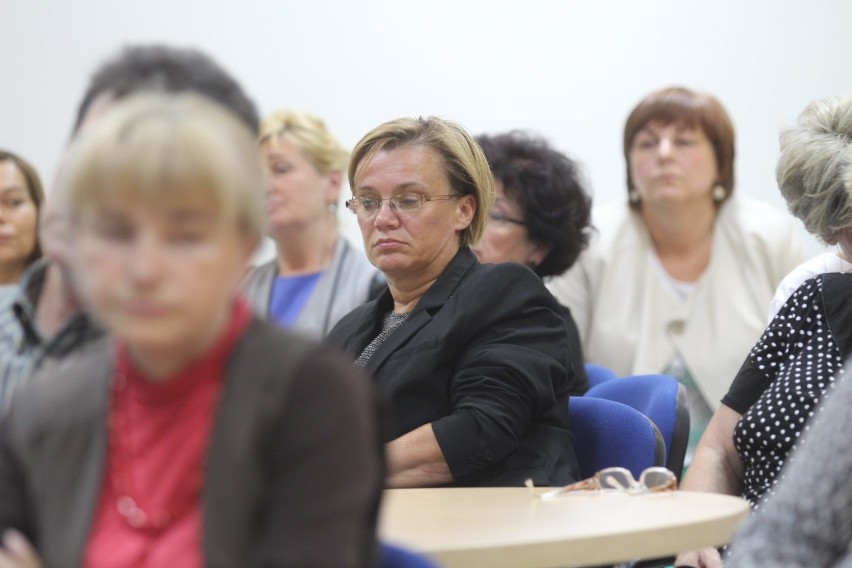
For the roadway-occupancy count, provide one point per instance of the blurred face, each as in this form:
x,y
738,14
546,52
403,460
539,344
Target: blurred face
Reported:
x,y
53,228
18,222
672,163
298,195
505,238
161,279
411,244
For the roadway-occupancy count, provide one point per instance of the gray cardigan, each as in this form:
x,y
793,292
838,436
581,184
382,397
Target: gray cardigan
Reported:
x,y
293,474
349,281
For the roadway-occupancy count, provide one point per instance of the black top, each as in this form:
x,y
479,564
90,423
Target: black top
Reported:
x,y
483,359
790,370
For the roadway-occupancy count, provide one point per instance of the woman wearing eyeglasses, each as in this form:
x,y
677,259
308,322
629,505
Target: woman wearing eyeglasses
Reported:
x,y
471,358
317,276
541,217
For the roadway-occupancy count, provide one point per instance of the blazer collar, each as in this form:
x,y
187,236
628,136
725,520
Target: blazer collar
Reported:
x,y
434,298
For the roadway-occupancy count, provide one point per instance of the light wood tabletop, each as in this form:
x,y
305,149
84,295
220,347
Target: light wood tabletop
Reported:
x,y
511,527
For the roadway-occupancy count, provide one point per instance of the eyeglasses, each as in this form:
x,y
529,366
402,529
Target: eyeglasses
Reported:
x,y
652,480
366,207
500,218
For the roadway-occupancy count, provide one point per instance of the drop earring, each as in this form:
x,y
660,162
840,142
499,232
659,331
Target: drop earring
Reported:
x,y
719,192
633,196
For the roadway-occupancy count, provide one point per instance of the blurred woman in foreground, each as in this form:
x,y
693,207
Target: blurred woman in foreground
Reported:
x,y
188,436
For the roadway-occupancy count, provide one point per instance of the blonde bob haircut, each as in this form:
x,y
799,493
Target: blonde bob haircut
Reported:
x,y
464,162
166,150
814,169
309,134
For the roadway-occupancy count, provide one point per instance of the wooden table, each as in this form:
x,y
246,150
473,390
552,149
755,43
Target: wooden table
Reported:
x,y
509,526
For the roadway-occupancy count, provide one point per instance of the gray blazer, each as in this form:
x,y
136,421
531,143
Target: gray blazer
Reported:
x,y
293,474
349,281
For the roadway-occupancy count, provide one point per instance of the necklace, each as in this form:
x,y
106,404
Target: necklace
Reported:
x,y
127,499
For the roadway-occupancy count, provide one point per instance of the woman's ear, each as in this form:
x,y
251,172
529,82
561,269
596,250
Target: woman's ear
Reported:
x,y
334,182
465,210
537,253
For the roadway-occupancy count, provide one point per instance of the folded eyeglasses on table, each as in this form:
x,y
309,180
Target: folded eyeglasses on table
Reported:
x,y
652,480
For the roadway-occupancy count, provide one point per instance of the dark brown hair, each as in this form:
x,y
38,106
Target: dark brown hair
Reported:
x,y
698,110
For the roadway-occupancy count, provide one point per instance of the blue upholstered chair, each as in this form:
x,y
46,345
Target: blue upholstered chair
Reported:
x,y
608,433
598,374
662,399
392,556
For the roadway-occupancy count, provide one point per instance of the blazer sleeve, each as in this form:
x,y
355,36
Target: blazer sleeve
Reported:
x,y
509,372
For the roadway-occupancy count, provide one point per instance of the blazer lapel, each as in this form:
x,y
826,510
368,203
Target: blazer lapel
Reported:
x,y
432,301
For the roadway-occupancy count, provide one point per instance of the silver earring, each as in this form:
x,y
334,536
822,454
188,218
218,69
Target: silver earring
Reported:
x,y
633,196
332,208
719,192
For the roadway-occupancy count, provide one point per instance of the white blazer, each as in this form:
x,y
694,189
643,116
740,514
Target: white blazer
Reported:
x,y
629,322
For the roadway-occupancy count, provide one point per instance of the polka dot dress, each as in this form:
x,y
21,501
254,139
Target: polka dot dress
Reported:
x,y
795,362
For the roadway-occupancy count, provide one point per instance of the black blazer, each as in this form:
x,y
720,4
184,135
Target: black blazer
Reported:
x,y
483,358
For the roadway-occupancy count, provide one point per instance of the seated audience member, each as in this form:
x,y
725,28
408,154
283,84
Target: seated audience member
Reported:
x,y
808,521
471,358
540,217
679,279
21,196
317,276
189,435
793,366
49,322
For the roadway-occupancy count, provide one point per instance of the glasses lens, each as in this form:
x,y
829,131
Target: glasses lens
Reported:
x,y
368,205
407,202
616,478
658,479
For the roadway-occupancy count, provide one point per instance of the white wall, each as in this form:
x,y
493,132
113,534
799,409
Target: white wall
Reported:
x,y
569,70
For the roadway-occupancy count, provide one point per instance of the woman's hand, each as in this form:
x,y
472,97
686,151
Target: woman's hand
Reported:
x,y
703,558
17,552
415,460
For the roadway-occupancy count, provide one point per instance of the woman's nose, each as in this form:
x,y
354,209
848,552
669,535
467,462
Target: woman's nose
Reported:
x,y
386,214
146,260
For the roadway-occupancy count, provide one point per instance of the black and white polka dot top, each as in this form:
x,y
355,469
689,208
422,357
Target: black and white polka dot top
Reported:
x,y
787,374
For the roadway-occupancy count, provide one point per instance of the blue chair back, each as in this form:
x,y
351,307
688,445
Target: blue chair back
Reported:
x,y
662,399
392,556
608,434
598,374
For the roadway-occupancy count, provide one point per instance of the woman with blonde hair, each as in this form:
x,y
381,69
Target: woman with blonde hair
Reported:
x,y
472,358
151,447
317,276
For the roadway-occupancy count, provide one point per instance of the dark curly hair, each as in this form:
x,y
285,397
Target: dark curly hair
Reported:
x,y
549,188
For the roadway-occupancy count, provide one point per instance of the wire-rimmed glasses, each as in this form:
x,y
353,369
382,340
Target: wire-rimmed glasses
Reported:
x,y
651,480
366,207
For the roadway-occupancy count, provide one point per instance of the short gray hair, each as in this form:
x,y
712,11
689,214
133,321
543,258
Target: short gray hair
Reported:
x,y
814,170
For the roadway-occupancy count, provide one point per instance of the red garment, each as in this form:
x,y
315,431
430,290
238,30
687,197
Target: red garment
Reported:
x,y
158,435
